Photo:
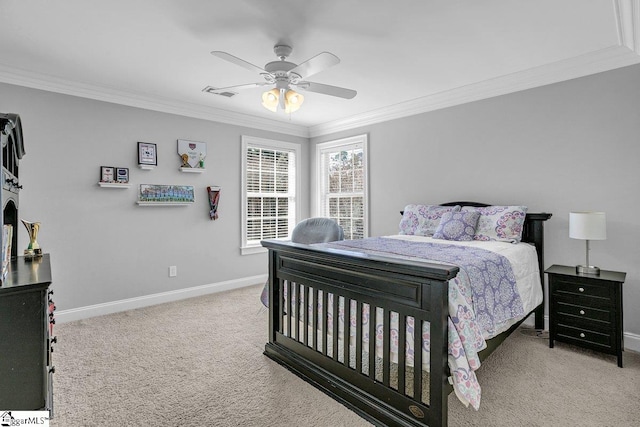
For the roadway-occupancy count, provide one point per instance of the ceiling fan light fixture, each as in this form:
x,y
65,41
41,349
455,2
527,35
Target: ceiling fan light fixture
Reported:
x,y
270,100
292,100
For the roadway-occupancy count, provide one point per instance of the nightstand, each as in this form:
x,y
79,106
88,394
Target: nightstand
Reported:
x,y
586,310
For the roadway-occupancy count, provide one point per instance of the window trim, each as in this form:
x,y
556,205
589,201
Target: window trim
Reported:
x,y
344,143
268,144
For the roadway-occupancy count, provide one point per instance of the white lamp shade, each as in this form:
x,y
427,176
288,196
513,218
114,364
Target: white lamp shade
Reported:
x,y
587,225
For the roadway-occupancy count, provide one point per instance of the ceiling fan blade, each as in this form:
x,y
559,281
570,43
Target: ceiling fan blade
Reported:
x,y
318,63
241,62
327,89
211,89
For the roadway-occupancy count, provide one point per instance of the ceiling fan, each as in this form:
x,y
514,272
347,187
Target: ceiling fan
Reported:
x,y
286,76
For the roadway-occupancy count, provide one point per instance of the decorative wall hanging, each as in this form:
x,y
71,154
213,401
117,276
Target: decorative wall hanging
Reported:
x,y
147,155
214,197
165,195
192,154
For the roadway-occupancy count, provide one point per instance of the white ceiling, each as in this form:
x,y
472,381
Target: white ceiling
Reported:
x,y
402,57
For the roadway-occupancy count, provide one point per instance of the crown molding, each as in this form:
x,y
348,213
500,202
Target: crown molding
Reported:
x,y
580,66
107,94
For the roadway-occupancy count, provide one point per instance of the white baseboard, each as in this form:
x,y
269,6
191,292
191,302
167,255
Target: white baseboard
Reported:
x,y
631,341
153,299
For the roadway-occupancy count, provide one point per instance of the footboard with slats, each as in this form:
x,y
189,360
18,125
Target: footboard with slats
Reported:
x,y
308,288
382,389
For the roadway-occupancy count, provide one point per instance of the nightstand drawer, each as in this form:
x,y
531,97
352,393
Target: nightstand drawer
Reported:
x,y
603,327
588,301
583,312
583,336
562,286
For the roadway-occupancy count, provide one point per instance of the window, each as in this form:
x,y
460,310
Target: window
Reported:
x,y
342,184
270,178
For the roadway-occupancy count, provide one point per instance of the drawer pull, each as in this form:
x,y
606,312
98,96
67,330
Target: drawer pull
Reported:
x,y
582,335
581,289
582,312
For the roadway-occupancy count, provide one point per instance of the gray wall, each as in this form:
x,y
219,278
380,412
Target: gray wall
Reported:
x,y
104,247
568,146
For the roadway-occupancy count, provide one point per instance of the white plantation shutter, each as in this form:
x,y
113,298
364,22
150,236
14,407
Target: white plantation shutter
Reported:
x,y
270,182
342,184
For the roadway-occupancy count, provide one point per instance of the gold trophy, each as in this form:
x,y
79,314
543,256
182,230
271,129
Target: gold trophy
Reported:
x,y
33,250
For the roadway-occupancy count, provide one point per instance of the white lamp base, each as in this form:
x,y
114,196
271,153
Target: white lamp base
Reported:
x,y
587,269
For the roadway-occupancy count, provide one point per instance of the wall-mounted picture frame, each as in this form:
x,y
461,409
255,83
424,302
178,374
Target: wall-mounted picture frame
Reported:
x,y
122,175
107,174
166,194
192,153
147,154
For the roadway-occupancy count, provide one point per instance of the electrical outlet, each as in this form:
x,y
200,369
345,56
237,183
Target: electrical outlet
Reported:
x,y
173,271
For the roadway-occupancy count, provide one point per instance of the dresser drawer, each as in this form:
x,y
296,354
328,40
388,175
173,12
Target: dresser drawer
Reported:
x,y
568,287
583,336
583,312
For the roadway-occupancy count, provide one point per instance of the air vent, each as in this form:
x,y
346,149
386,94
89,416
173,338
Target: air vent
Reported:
x,y
214,91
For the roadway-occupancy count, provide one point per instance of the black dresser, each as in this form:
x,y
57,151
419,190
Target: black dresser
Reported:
x,y
586,310
26,336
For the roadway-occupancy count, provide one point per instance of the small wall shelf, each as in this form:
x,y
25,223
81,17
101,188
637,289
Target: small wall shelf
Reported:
x,y
147,167
192,170
114,185
163,203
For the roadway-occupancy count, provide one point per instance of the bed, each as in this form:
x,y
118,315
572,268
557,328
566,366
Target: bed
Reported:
x,y
327,300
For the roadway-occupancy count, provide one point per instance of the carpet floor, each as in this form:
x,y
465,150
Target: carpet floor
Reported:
x,y
199,362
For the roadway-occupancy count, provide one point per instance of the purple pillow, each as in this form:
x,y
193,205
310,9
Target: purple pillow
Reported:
x,y
501,223
422,220
459,226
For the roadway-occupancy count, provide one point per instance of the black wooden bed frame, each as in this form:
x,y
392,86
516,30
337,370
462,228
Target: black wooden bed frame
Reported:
x,y
415,289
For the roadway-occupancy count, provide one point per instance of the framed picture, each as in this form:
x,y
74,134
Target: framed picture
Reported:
x,y
151,193
122,175
107,174
147,154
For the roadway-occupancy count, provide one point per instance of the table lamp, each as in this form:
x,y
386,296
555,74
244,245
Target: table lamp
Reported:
x,y
587,226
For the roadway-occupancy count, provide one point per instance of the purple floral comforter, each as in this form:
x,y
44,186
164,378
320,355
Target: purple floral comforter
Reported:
x,y
483,294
